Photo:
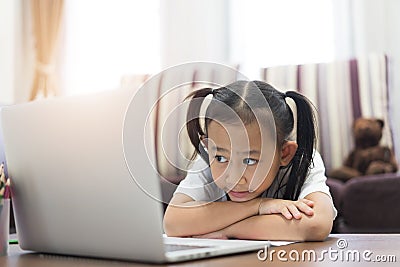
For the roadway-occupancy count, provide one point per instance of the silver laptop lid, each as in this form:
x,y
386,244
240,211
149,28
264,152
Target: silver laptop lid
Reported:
x,y
72,190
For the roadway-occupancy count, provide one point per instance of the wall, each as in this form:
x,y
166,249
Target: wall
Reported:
x,y
16,51
7,51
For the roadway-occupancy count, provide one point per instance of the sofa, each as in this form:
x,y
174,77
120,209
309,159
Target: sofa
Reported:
x,y
367,204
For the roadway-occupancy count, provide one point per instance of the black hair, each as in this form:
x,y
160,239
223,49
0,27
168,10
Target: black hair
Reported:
x,y
243,97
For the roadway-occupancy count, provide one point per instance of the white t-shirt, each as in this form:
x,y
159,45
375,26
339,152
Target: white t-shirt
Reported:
x,y
200,186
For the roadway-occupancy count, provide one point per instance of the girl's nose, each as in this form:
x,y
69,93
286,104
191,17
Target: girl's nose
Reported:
x,y
242,180
235,174
233,181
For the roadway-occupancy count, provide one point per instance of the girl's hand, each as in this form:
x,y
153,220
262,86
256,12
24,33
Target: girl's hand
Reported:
x,y
213,235
288,208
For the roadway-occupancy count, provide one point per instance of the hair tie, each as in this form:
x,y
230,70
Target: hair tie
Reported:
x,y
292,105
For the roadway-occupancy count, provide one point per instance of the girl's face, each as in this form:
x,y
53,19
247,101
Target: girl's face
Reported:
x,y
237,165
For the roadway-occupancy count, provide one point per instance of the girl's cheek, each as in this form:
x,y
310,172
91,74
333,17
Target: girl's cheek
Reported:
x,y
217,174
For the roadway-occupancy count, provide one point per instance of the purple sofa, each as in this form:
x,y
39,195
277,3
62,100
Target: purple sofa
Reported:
x,y
367,204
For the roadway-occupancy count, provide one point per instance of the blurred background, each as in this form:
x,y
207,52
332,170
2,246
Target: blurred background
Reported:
x,y
344,55
71,47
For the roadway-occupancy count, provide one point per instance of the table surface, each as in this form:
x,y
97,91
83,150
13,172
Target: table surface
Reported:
x,y
337,250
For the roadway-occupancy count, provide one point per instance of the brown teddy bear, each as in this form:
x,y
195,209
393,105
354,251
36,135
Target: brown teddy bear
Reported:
x,y
368,157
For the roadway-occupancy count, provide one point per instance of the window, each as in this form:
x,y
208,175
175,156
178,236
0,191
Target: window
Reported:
x,y
267,33
105,40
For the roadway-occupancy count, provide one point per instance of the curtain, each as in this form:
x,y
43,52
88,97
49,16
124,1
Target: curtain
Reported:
x,y
46,16
341,91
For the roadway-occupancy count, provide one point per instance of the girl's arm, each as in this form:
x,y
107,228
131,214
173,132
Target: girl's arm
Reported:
x,y
186,217
276,227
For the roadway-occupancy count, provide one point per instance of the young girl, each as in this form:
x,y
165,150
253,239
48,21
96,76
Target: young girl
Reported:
x,y
253,179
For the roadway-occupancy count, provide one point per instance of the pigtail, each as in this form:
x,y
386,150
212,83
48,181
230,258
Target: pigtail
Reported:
x,y
193,126
306,135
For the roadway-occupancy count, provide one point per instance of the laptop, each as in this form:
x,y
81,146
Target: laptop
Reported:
x,y
83,184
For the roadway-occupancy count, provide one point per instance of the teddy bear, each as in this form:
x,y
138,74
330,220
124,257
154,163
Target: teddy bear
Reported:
x,y
368,157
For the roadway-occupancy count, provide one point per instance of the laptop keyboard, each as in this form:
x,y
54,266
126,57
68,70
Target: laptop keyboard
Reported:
x,y
173,247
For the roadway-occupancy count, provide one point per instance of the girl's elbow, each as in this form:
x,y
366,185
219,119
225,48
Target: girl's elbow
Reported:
x,y
173,226
169,225
171,231
168,228
318,230
175,231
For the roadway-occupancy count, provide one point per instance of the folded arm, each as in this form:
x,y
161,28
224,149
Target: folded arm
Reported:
x,y
276,227
186,217
289,220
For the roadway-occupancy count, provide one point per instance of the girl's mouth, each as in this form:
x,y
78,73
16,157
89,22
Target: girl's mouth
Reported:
x,y
238,194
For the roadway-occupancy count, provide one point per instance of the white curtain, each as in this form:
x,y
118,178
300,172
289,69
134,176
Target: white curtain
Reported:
x,y
341,92
375,28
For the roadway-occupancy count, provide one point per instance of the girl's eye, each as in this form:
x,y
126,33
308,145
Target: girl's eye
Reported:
x,y
221,159
249,161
